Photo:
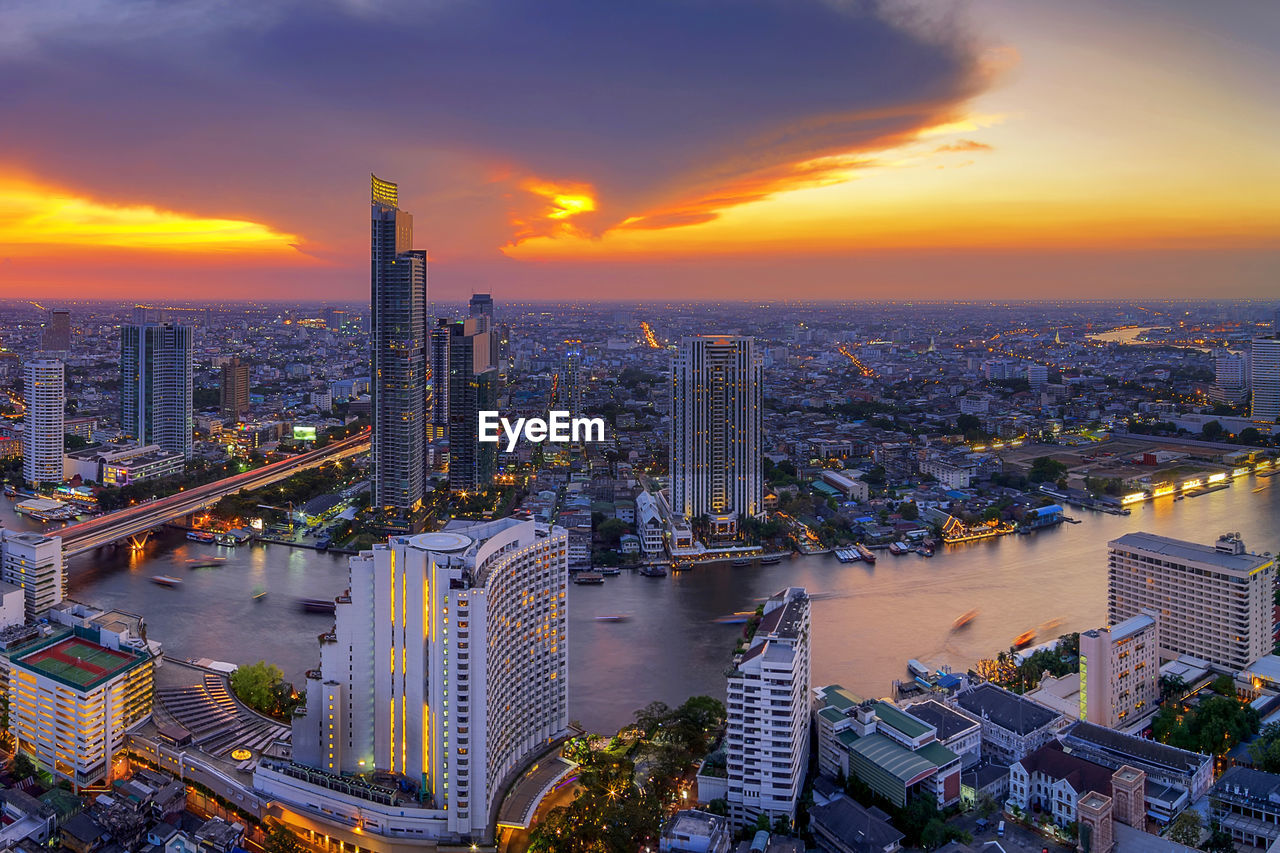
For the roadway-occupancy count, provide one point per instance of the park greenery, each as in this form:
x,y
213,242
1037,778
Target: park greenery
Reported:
x,y
1212,724
627,783
262,687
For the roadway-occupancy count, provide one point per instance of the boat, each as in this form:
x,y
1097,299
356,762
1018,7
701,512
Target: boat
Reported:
x,y
924,551
259,593
847,555
615,617
205,562
771,560
588,578
611,572
917,669
964,619
201,536
735,619
1050,626
654,571
1024,639
681,566
318,605
742,561
865,553
1265,474
897,548
166,580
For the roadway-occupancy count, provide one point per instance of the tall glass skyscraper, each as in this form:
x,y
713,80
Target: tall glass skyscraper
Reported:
x,y
155,381
473,383
398,386
715,431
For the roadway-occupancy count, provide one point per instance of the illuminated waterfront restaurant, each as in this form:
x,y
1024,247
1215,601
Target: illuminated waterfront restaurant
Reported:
x,y
445,674
72,699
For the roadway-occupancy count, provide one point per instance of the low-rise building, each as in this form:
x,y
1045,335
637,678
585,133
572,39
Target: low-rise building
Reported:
x,y
844,826
693,831
121,465
1012,726
649,525
1246,803
1053,781
957,731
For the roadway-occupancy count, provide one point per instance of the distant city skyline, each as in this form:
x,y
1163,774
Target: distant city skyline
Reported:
x,y
821,150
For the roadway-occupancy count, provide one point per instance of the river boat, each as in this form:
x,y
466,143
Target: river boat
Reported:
x,y
205,562
318,605
865,553
897,548
847,555
614,617
742,561
201,536
653,571
1024,639
166,580
588,578
964,619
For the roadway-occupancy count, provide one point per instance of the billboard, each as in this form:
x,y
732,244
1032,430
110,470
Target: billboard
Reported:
x,y
304,433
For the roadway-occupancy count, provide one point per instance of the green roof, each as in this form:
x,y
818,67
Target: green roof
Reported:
x,y
890,756
937,753
901,721
831,714
837,697
78,662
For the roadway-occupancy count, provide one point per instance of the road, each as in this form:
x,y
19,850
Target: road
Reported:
x,y
87,535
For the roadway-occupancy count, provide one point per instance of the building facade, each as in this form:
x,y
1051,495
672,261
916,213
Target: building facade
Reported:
x,y
56,336
447,667
156,381
472,389
1120,672
398,386
1264,380
438,402
235,389
768,710
715,431
43,434
33,562
1212,602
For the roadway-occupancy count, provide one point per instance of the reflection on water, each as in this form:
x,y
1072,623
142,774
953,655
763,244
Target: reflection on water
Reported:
x,y
867,620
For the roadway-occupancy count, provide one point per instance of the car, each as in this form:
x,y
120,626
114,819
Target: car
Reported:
x,y
1000,829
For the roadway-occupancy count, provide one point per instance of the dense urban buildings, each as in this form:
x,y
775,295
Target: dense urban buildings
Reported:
x,y
398,371
1120,671
43,432
235,389
715,431
473,623
156,381
472,388
768,702
1212,602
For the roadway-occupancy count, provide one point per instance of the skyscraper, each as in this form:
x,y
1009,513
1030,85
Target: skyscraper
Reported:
x,y
472,388
57,331
481,305
42,426
1264,376
155,381
438,425
768,728
473,620
715,431
398,384
1230,377
235,388
568,384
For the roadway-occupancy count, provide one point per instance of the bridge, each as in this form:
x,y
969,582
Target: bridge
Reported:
x,y
136,522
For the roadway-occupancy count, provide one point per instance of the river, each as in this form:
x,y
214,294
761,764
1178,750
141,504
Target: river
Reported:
x,y
867,620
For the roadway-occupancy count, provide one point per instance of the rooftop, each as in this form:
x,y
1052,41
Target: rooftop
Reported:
x,y
78,662
947,722
1007,710
859,829
1082,775
901,721
1191,552
1131,749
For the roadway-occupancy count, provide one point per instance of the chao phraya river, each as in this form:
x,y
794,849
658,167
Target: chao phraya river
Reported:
x,y
867,620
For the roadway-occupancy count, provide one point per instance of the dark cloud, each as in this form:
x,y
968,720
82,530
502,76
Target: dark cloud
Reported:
x,y
277,111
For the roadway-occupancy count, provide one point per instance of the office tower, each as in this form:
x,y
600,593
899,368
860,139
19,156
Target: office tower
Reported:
x,y
447,666
1120,671
438,425
768,730
43,423
568,384
57,331
1212,602
472,389
336,319
1264,377
481,305
235,388
398,387
715,431
1037,375
1230,377
72,699
155,381
33,562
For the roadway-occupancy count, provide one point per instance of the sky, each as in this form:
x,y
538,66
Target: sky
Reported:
x,y
670,149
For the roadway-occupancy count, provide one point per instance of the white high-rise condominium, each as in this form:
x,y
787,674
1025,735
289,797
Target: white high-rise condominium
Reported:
x,y
34,563
768,709
1212,602
715,431
156,381
1230,377
447,666
42,427
1264,377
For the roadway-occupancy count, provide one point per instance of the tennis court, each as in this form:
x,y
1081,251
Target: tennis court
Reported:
x,y
77,661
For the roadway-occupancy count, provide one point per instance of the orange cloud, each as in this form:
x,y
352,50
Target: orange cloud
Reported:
x,y
34,217
963,145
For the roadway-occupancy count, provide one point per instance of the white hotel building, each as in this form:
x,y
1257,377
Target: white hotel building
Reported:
x,y
42,428
768,710
447,667
1212,602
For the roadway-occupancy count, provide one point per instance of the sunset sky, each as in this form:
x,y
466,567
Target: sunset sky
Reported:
x,y
665,149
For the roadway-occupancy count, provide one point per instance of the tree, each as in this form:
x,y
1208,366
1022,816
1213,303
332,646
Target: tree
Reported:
x,y
23,767
1186,828
1224,685
781,825
262,687
281,840
1212,431
1046,468
967,423
1219,840
1265,751
909,510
